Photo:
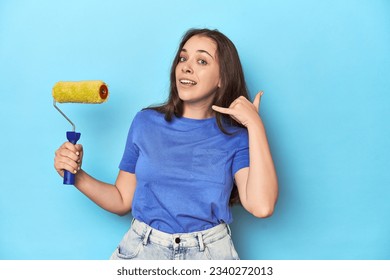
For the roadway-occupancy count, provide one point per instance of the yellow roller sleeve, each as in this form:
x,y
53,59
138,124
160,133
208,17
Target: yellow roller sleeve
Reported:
x,y
80,92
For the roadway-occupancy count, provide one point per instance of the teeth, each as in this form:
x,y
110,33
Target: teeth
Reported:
x,y
187,82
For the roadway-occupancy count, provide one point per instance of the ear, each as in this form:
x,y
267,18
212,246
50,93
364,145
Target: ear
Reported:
x,y
219,83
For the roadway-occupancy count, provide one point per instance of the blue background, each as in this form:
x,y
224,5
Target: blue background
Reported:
x,y
324,67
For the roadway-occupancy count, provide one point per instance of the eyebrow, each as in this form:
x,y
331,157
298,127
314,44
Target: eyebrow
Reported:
x,y
200,51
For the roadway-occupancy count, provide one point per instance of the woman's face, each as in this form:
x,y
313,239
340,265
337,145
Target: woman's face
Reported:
x,y
197,73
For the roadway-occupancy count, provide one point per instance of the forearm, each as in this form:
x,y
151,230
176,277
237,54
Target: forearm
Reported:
x,y
262,186
105,195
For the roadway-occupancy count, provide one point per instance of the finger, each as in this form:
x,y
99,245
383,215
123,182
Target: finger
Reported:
x,y
236,101
76,149
80,160
61,164
71,147
58,167
80,151
222,110
79,147
257,100
65,156
65,153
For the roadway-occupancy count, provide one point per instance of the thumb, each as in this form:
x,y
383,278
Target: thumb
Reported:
x,y
256,101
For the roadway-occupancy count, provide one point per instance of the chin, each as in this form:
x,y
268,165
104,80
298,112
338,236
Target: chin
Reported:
x,y
193,95
186,95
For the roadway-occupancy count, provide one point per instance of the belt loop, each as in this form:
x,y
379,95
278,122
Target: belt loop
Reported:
x,y
200,240
228,230
145,240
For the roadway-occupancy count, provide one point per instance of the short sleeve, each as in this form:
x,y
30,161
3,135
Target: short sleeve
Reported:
x,y
241,156
131,152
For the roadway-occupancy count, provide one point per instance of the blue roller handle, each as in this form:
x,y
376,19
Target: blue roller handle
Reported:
x,y
72,137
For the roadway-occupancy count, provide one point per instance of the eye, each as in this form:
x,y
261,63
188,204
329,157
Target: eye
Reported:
x,y
182,59
202,62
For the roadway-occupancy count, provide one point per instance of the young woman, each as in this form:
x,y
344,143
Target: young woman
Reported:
x,y
187,161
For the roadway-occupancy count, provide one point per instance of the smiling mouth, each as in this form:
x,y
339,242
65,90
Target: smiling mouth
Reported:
x,y
187,82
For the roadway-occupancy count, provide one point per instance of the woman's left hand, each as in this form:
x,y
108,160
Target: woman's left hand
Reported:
x,y
242,110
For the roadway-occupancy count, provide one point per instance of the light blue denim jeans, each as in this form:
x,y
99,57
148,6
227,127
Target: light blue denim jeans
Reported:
x,y
142,242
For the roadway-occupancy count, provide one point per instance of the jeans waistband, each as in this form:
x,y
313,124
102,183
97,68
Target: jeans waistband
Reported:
x,y
192,239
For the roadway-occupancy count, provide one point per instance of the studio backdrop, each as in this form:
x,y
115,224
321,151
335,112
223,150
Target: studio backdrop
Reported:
x,y
324,67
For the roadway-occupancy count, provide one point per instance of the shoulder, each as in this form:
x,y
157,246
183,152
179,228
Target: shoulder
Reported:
x,y
144,121
148,119
148,115
239,135
235,131
242,135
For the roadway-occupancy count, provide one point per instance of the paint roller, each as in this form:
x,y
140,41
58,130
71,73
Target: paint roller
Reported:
x,y
91,92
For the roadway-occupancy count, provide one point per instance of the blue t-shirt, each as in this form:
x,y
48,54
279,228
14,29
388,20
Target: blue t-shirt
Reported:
x,y
184,170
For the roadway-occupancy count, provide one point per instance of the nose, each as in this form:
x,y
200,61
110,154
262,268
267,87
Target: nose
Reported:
x,y
186,68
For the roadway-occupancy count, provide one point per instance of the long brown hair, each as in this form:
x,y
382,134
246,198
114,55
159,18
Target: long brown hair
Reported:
x,y
232,84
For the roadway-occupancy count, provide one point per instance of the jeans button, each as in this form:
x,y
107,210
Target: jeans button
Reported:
x,y
177,240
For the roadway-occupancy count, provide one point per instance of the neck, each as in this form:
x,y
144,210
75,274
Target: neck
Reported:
x,y
194,112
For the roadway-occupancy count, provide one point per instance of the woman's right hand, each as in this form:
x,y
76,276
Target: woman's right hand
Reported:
x,y
68,157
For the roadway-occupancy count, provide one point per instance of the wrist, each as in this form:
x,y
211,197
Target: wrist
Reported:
x,y
79,177
255,124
